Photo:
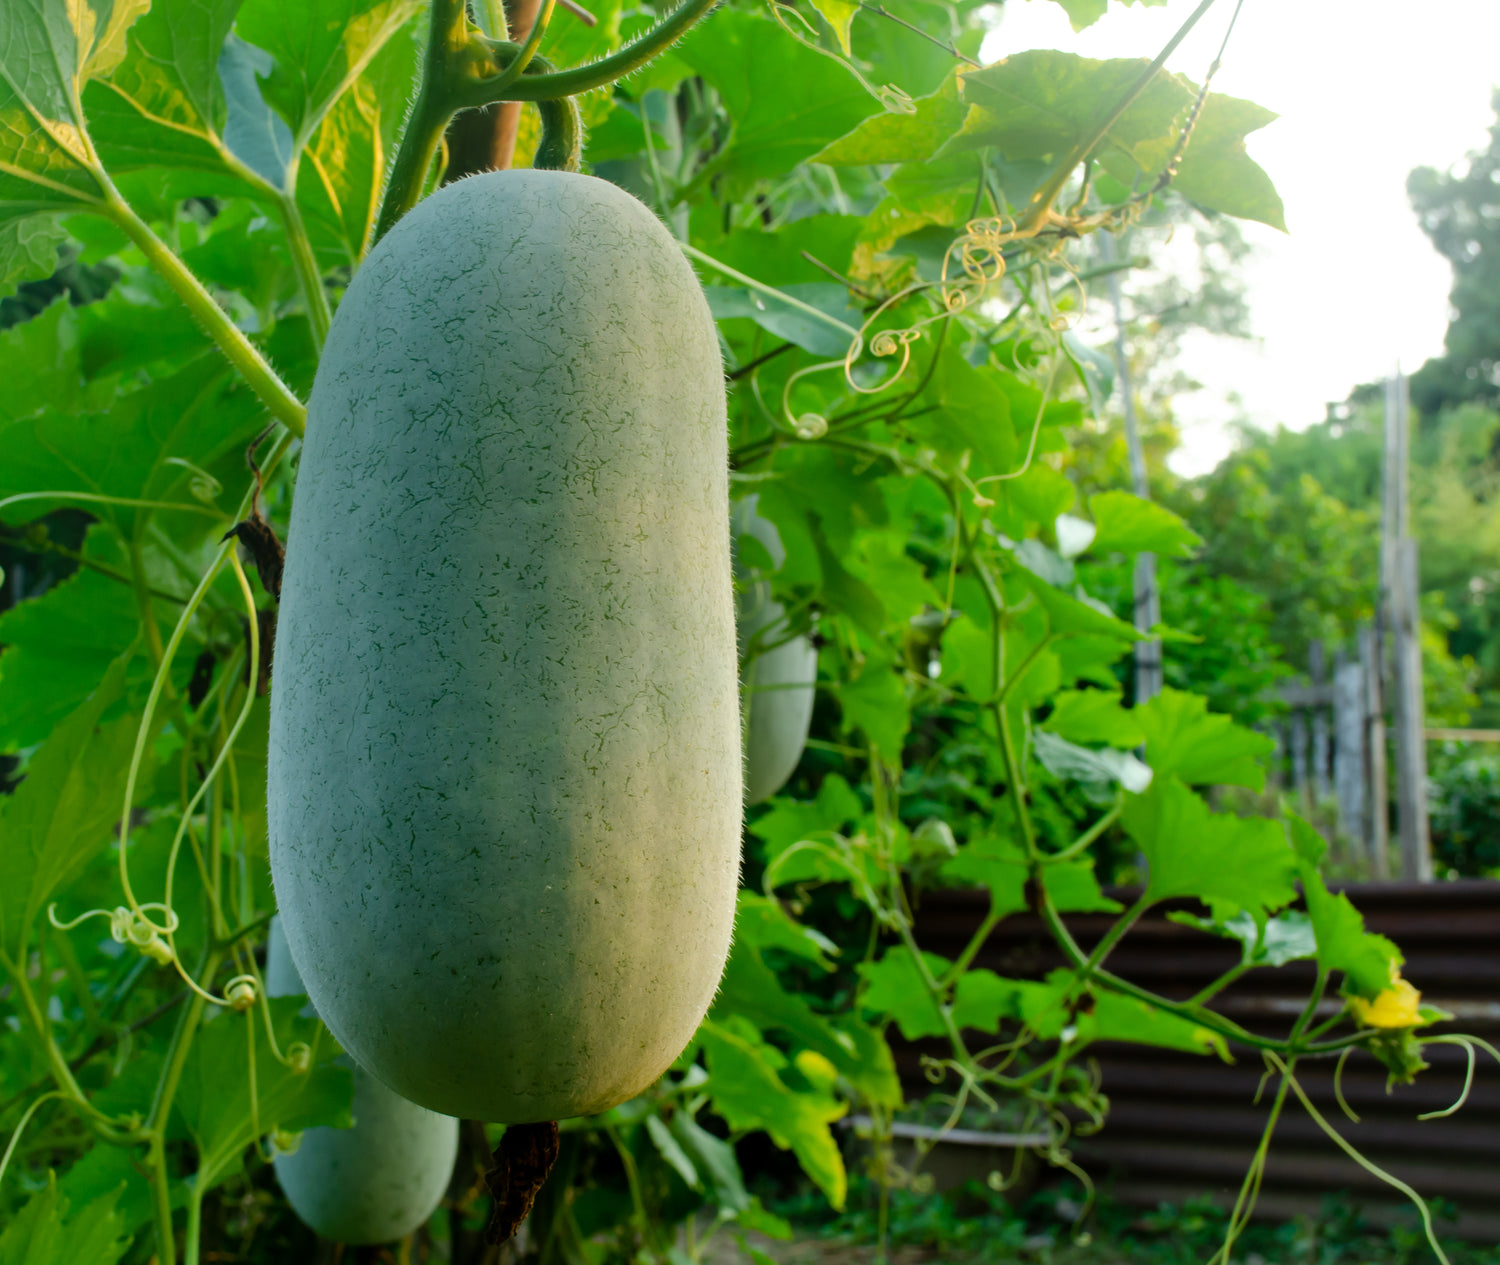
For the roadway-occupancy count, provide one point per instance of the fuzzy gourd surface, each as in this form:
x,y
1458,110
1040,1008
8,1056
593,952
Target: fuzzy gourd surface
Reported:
x,y
505,785
778,682
379,1180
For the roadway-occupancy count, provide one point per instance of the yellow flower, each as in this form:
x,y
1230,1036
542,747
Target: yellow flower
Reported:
x,y
1394,1007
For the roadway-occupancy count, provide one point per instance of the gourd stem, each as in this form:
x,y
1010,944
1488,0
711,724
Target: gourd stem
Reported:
x,y
520,61
436,103
231,340
561,147
446,89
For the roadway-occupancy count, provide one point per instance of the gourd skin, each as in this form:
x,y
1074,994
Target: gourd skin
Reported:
x,y
778,683
379,1180
505,786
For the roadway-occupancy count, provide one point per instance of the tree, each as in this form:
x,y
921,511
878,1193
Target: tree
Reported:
x,y
1460,212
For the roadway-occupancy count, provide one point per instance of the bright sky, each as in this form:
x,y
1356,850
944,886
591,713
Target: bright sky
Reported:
x,y
1366,90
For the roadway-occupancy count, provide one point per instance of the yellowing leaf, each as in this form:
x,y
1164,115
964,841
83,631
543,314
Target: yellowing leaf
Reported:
x,y
839,14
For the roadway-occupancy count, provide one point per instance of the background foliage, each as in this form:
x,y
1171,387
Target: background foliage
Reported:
x,y
209,176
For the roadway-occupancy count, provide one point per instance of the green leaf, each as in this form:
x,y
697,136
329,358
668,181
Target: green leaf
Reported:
x,y
1133,525
762,923
28,250
973,415
1068,616
1285,938
1367,959
342,176
786,101
839,14
569,43
671,1151
1218,174
1088,659
1192,851
1037,495
199,414
57,648
901,580
165,105
320,48
715,1158
794,324
790,821
46,1232
41,362
48,50
1069,762
64,811
750,989
900,138
941,191
746,1090
73,360
1094,716
875,703
894,988
1001,866
1200,747
1083,13
254,133
1117,1018
1042,103
214,1096
981,999
108,1172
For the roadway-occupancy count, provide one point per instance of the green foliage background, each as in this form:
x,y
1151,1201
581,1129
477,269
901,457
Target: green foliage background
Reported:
x,y
211,173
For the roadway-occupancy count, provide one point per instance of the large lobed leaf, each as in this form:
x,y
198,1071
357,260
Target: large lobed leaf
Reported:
x,y
64,811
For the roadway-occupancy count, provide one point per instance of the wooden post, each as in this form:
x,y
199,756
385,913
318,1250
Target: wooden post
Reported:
x,y
1400,591
1377,818
1297,742
1148,654
1315,672
1349,755
1411,724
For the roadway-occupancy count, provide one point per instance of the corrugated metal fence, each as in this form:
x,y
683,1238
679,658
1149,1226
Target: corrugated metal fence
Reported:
x,y
1182,1125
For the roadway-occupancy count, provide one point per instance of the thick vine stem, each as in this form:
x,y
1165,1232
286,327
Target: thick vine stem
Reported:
x,y
561,147
449,52
450,84
568,83
239,350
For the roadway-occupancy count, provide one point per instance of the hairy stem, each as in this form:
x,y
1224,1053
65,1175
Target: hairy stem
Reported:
x,y
436,103
309,275
230,339
568,83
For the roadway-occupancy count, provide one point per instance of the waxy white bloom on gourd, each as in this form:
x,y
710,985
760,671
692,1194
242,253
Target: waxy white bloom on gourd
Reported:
x,y
505,787
379,1180
777,682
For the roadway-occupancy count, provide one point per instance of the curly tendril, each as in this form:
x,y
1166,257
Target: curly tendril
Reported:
x,y
129,926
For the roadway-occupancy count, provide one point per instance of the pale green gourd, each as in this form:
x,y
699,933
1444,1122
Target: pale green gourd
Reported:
x,y
379,1180
777,683
504,783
